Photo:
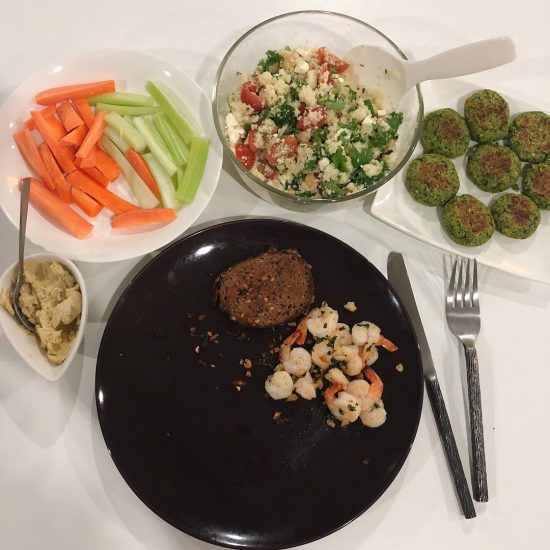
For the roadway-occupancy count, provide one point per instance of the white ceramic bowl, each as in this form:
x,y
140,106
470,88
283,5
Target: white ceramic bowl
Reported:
x,y
26,344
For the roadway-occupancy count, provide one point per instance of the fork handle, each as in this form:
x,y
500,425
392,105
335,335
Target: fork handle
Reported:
x,y
479,470
449,445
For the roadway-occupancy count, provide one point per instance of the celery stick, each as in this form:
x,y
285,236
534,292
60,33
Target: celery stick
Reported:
x,y
189,182
122,98
144,195
127,109
164,182
173,141
127,131
155,144
116,138
174,108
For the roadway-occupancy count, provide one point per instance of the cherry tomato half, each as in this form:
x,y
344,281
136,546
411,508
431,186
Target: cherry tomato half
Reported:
x,y
303,124
333,61
250,139
285,147
249,95
245,155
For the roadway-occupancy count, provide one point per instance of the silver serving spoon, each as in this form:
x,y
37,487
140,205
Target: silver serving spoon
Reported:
x,y
25,188
376,68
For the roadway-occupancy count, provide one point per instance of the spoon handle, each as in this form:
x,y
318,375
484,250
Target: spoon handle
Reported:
x,y
467,59
25,189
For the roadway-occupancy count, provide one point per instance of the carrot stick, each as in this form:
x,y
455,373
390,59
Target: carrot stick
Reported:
x,y
61,154
58,130
47,112
88,205
57,211
138,164
107,165
28,149
61,186
84,110
93,135
89,160
68,116
141,216
95,174
55,95
111,201
74,137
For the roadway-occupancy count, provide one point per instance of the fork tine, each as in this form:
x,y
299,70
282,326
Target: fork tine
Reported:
x,y
451,289
467,285
459,296
475,293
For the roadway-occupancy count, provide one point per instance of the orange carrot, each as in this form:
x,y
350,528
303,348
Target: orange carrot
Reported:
x,y
89,160
68,116
88,205
61,186
28,149
61,154
74,137
55,95
57,211
47,112
141,216
84,110
95,174
111,201
56,127
138,164
94,134
107,165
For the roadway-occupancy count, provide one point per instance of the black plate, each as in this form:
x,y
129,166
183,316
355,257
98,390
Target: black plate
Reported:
x,y
209,458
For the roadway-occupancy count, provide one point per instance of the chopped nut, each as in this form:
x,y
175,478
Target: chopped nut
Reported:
x,y
247,364
242,336
350,306
330,423
239,383
209,333
192,330
248,374
319,384
213,337
277,415
197,349
399,367
292,397
202,317
291,324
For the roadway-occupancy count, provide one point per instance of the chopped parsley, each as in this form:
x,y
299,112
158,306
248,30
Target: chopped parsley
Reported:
x,y
320,135
339,160
283,115
271,59
358,158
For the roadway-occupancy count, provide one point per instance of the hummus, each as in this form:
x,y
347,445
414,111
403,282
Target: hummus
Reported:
x,y
51,299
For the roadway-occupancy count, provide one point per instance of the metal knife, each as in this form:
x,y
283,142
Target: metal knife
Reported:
x,y
399,279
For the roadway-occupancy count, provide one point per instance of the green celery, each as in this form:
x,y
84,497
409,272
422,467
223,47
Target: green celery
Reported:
x,y
155,144
116,138
123,98
127,131
164,182
143,194
172,139
188,183
174,108
127,109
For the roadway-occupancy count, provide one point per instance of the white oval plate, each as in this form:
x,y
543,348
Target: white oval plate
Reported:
x,y
130,70
393,204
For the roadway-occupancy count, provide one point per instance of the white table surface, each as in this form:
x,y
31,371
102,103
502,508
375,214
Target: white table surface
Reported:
x,y
59,488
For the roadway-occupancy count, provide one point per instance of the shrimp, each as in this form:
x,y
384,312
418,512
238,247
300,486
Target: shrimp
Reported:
x,y
369,396
305,387
342,334
321,354
298,362
336,376
341,404
353,363
360,390
279,385
376,385
369,354
368,334
322,321
375,417
297,337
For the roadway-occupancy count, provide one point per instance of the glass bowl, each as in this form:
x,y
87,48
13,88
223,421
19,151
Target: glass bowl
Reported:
x,y
339,33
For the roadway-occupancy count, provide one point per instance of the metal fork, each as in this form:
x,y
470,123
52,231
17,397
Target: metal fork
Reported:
x,y
464,320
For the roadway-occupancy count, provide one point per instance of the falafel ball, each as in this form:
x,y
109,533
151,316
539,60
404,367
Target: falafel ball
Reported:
x,y
468,221
536,184
493,168
486,113
445,132
432,179
529,136
515,216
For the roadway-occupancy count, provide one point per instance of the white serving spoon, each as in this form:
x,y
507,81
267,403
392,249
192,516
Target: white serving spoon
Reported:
x,y
376,68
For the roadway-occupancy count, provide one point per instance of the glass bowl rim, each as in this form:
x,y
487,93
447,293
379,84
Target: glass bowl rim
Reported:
x,y
312,200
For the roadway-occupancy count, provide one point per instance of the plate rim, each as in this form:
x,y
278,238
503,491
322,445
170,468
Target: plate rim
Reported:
x,y
420,389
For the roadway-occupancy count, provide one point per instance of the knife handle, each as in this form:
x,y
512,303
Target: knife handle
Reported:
x,y
449,444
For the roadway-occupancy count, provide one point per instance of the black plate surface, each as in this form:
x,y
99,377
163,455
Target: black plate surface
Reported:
x,y
209,458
